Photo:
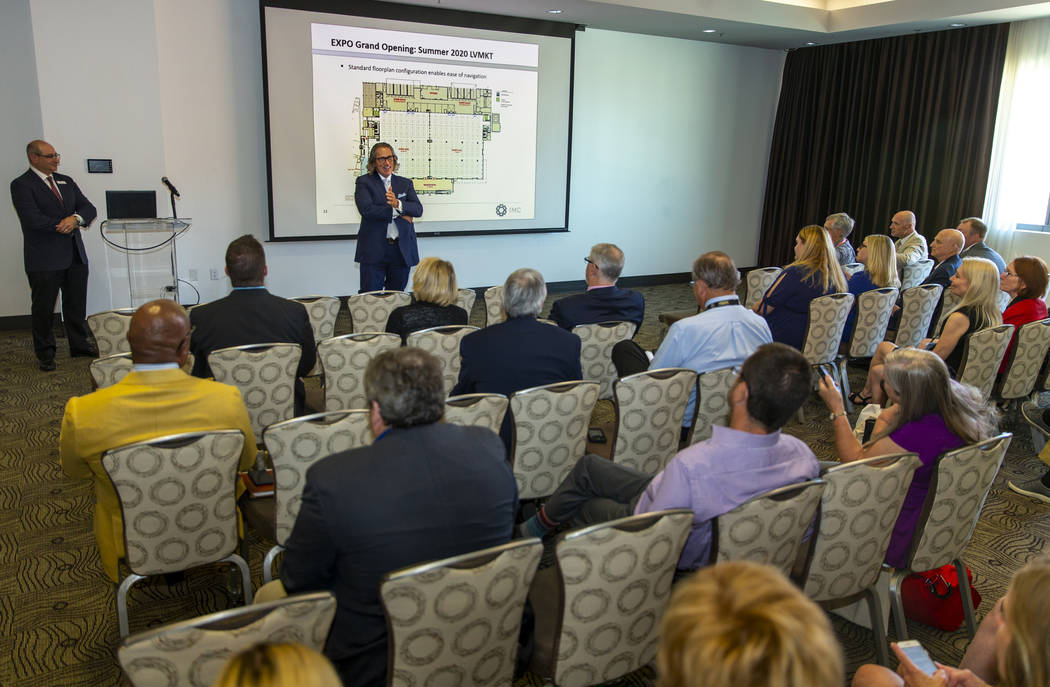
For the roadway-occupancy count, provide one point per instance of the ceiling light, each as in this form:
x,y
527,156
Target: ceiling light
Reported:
x,y
554,11
956,25
810,43
710,30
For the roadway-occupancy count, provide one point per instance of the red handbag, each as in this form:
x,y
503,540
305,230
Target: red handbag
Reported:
x,y
933,597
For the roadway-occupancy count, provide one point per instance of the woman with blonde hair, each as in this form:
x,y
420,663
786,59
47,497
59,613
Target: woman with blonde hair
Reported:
x,y
433,304
744,624
976,284
278,665
880,271
815,272
932,413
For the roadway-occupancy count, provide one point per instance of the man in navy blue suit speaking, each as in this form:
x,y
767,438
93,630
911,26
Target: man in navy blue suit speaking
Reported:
x,y
604,301
52,210
386,241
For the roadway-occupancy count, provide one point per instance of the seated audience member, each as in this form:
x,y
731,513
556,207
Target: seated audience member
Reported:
x,y
712,477
155,399
604,301
910,244
932,413
424,490
880,271
744,624
1010,648
1025,281
434,294
839,227
278,665
520,352
974,231
976,283
251,315
722,334
944,251
815,272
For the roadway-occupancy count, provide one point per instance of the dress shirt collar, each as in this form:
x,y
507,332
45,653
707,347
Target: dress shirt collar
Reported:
x,y
150,367
249,288
43,177
735,437
600,286
719,299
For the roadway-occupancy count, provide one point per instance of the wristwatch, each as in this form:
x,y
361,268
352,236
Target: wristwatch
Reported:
x,y
832,416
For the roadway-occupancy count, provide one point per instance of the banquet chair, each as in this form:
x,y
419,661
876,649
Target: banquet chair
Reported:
x,y
322,311
649,409
343,361
443,344
370,310
110,329
477,410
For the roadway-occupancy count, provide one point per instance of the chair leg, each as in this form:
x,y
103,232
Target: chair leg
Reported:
x,y
246,578
122,602
897,605
878,627
967,600
267,566
844,384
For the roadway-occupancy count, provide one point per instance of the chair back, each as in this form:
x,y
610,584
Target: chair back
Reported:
x,y
456,621
494,312
982,355
1026,360
195,652
343,360
597,341
615,582
913,274
443,344
948,302
767,528
851,268
827,319
370,310
873,316
465,299
1003,300
109,369
177,499
917,306
649,410
110,329
265,374
858,509
477,410
712,402
323,311
550,433
294,445
758,282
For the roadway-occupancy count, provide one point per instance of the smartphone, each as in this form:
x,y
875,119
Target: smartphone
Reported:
x,y
917,655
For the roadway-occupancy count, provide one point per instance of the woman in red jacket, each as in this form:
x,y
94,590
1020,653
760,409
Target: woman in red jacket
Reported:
x,y
1025,279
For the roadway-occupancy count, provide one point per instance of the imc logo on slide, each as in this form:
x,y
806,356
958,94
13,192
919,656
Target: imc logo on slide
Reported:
x,y
502,210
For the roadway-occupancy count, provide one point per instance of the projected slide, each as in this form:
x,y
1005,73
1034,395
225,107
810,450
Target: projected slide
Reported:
x,y
460,113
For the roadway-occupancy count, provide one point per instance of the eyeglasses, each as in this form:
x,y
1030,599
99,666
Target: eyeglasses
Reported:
x,y
52,156
591,262
384,158
1008,273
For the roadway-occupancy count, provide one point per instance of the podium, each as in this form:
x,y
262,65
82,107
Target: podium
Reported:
x,y
148,268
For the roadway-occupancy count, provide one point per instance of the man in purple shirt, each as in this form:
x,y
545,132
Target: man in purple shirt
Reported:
x,y
713,477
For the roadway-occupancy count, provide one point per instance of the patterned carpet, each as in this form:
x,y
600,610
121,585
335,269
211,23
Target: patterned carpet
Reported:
x,y
57,613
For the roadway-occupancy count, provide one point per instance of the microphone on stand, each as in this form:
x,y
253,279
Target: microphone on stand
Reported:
x,y
171,187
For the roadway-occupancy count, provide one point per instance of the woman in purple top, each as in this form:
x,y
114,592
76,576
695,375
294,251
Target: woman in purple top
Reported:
x,y
932,413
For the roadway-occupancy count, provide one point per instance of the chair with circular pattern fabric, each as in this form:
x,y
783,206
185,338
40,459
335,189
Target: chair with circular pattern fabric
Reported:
x,y
294,445
917,307
827,319
549,433
322,311
959,486
597,341
494,312
948,302
982,355
598,611
110,329
344,359
873,316
649,410
265,375
178,504
914,273
370,310
758,282
858,509
851,268
194,652
109,369
442,343
767,528
712,402
465,299
456,621
1025,362
477,410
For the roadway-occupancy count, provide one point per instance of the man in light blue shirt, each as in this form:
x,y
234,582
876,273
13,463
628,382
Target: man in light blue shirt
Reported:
x,y
723,334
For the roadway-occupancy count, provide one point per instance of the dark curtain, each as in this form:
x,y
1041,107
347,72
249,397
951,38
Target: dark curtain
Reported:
x,y
873,127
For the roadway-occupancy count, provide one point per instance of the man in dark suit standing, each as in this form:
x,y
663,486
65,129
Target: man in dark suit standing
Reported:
x,y
386,241
251,315
424,490
604,301
52,211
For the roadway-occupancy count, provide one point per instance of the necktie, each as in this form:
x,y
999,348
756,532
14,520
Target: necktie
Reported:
x,y
54,189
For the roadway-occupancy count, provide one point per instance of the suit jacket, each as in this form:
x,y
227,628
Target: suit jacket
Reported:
x,y
370,196
942,273
910,249
981,250
39,211
417,494
599,305
143,405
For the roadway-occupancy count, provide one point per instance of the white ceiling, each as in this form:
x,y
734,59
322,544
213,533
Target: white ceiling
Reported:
x,y
762,23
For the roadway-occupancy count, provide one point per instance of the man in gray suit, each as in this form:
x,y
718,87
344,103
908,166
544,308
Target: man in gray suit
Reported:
x,y
974,231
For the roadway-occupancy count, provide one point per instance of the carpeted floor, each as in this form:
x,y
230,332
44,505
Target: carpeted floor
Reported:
x,y
57,613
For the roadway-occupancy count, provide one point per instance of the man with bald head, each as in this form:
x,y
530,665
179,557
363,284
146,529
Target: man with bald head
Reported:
x,y
944,250
155,399
909,244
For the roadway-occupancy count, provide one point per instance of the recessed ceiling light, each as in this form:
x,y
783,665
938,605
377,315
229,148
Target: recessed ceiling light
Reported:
x,y
710,30
554,11
810,43
956,25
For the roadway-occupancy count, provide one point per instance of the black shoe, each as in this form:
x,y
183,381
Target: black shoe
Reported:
x,y
88,353
47,365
